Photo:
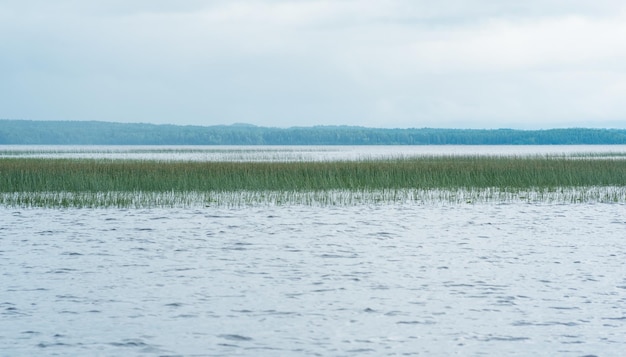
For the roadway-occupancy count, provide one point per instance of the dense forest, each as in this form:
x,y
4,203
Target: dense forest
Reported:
x,y
108,133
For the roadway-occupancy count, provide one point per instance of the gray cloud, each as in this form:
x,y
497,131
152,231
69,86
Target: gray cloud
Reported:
x,y
480,63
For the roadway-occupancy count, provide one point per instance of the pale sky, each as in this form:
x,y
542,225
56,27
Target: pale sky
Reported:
x,y
378,63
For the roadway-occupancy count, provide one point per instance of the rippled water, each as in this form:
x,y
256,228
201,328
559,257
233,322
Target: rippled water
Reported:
x,y
508,279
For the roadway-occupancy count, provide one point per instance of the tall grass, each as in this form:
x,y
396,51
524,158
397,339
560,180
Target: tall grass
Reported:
x,y
312,198
84,175
130,183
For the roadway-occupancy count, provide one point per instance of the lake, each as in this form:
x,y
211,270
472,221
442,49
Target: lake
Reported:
x,y
296,153
490,279
389,279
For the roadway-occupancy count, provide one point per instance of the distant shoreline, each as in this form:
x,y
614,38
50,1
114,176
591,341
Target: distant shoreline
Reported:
x,y
31,132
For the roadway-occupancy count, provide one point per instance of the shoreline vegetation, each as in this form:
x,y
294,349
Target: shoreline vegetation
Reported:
x,y
37,182
30,132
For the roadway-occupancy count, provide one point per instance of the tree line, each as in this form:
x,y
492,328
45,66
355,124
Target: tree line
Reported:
x,y
28,132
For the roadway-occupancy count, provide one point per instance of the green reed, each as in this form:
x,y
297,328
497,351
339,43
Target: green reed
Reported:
x,y
438,172
597,194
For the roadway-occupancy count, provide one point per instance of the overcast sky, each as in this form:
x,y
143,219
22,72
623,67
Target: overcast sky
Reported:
x,y
378,63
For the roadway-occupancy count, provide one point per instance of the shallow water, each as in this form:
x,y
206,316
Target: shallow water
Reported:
x,y
484,279
296,153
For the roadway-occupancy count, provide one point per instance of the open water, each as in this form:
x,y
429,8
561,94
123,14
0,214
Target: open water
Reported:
x,y
377,280
298,153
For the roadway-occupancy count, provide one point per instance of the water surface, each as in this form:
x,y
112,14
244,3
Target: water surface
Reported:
x,y
296,153
378,280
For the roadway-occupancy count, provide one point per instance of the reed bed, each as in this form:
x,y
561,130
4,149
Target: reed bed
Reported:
x,y
85,175
133,183
312,198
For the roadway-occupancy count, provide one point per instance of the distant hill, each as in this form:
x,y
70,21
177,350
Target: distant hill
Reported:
x,y
108,133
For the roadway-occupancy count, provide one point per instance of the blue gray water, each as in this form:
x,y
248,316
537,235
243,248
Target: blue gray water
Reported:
x,y
389,280
297,153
